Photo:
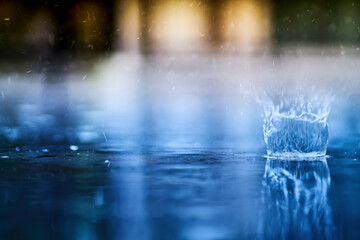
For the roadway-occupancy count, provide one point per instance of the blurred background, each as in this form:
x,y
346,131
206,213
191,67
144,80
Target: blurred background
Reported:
x,y
95,27
139,119
182,72
76,71
35,28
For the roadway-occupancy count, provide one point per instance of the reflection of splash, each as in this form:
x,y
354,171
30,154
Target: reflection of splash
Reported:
x,y
295,200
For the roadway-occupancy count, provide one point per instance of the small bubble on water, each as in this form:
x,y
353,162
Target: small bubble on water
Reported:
x,y
17,149
74,148
45,150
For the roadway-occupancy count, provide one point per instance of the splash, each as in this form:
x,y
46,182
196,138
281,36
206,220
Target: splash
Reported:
x,y
296,126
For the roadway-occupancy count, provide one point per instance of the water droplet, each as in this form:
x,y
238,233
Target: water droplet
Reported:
x,y
107,162
74,148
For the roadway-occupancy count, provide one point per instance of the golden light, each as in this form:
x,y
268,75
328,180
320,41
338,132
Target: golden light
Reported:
x,y
128,29
178,25
8,10
246,25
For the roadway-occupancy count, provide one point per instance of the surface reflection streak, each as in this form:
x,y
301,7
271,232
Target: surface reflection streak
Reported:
x,y
295,197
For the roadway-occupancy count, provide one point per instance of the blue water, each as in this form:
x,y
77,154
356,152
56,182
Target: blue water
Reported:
x,y
172,150
154,193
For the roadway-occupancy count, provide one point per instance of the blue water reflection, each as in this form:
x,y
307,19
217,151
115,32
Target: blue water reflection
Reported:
x,y
158,193
296,200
